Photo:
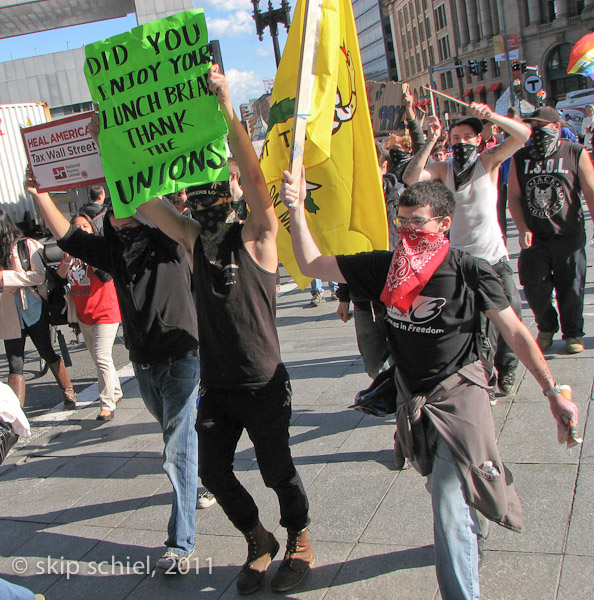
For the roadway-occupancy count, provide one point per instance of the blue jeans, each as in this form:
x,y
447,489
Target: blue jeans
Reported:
x,y
455,526
316,286
12,591
170,392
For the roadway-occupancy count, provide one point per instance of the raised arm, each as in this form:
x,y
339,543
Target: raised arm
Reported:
x,y
417,169
181,229
309,258
261,226
518,136
58,224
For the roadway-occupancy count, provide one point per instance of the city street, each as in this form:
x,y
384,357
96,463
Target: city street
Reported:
x,y
85,505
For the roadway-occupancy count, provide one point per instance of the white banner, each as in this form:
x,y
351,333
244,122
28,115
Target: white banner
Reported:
x,y
62,154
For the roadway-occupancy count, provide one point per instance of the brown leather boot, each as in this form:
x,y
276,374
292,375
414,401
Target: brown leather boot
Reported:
x,y
58,368
262,548
17,384
299,559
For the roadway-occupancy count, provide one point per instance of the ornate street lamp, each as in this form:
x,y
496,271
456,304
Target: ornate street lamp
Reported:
x,y
271,19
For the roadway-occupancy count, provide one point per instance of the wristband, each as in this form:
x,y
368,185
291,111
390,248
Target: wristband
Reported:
x,y
556,389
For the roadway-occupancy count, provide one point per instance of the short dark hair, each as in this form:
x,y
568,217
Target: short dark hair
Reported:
x,y
95,192
429,193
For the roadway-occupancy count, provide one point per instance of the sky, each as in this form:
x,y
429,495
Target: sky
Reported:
x,y
247,61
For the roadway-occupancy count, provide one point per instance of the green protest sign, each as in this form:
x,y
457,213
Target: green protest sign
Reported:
x,y
161,128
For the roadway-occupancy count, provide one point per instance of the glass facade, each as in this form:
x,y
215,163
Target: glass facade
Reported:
x,y
377,52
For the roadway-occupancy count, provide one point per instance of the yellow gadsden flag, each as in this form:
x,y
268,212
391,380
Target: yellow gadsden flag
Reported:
x,y
345,203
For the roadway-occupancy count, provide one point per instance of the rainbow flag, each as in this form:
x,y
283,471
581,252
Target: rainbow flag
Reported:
x,y
581,58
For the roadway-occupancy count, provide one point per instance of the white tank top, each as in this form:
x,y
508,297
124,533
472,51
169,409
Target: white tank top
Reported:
x,y
475,228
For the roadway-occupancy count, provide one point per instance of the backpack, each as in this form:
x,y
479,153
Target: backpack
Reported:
x,y
52,293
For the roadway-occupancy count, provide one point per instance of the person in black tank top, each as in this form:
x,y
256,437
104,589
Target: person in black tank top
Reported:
x,y
546,181
244,383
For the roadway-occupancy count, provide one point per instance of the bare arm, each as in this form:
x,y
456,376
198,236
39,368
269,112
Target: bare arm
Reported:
x,y
261,226
586,174
518,136
517,335
308,256
514,201
417,169
181,229
58,224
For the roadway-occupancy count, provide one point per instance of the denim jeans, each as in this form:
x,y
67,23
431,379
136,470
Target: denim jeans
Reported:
x,y
265,415
559,264
316,286
12,591
170,393
455,526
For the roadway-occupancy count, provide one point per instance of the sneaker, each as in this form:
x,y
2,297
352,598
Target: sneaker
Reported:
x,y
206,500
492,397
173,563
506,382
574,345
333,296
544,339
316,299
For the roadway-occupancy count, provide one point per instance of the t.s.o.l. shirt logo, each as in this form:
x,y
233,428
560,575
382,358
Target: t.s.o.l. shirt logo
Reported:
x,y
423,310
545,196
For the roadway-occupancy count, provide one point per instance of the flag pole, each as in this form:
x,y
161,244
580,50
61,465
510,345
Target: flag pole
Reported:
x,y
309,44
431,90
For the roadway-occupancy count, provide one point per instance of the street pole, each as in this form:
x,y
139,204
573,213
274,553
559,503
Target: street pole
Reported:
x,y
512,95
271,19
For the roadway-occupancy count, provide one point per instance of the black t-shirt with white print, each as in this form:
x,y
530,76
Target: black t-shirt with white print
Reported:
x,y
437,336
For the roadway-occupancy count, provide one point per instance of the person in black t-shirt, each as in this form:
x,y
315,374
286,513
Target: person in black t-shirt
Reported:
x,y
243,381
433,295
546,182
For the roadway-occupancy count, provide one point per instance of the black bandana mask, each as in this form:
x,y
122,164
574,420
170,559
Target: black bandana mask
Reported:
x,y
465,155
215,222
136,242
544,142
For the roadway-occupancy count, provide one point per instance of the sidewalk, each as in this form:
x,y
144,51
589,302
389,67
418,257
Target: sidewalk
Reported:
x,y
83,493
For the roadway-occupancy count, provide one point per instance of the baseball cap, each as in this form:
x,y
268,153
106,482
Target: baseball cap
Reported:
x,y
474,122
546,114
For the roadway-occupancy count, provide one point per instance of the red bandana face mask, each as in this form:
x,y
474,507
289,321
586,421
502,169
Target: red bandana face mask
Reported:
x,y
416,257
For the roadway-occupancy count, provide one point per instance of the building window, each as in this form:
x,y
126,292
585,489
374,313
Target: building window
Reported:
x,y
407,67
440,17
444,48
428,28
418,63
431,55
443,81
415,38
449,79
406,14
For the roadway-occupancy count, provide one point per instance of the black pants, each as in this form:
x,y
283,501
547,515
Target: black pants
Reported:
x,y
505,359
559,264
40,336
265,415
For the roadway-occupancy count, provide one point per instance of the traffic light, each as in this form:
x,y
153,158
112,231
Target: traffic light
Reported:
x,y
523,66
459,68
515,65
484,65
473,67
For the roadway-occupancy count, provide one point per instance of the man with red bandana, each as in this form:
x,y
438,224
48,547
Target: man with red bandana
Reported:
x,y
434,295
472,176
